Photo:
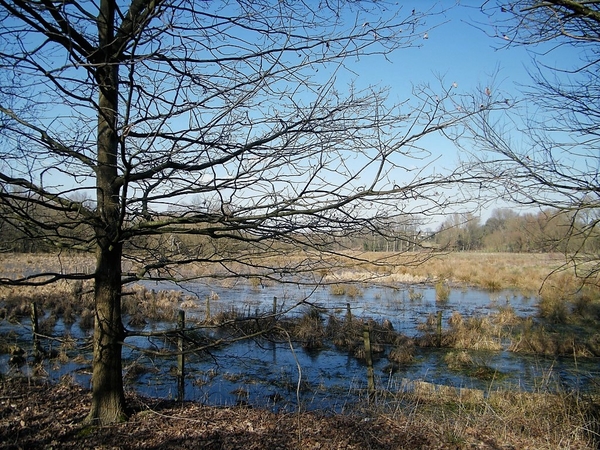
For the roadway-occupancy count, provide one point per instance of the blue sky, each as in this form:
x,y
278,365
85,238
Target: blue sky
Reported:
x,y
459,49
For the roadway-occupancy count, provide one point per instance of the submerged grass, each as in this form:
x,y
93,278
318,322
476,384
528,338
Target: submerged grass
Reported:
x,y
65,298
463,362
570,313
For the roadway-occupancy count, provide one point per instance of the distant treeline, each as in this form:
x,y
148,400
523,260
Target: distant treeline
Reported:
x,y
505,231
508,231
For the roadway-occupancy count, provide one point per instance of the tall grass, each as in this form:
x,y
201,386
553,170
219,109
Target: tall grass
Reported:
x,y
348,289
442,291
461,418
526,273
65,298
310,329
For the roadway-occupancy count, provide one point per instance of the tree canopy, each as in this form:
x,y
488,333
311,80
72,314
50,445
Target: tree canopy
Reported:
x,y
160,133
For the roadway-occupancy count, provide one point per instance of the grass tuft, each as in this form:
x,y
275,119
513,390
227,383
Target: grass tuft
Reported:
x,y
442,291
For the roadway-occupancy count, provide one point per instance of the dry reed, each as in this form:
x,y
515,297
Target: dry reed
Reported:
x,y
463,418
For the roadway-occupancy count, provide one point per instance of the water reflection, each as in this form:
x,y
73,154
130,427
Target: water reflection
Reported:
x,y
276,375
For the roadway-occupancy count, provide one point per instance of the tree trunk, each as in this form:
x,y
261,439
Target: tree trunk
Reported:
x,y
108,399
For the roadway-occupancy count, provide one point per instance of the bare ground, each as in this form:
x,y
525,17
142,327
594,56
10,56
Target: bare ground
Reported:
x,y
38,415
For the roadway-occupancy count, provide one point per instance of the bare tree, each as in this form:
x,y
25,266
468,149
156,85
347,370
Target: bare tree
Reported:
x,y
544,150
205,133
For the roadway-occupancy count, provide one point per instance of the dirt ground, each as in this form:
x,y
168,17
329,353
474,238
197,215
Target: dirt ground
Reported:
x,y
37,415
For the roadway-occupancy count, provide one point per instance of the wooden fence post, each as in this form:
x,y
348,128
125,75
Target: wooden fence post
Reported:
x,y
180,357
274,306
37,347
369,360
439,328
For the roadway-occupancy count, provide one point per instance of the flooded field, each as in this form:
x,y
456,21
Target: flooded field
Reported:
x,y
281,374
405,306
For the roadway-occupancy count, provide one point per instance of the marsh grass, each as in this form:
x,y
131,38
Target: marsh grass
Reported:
x,y
586,306
554,304
255,282
442,291
460,418
64,299
345,289
497,271
535,338
492,284
402,352
143,304
310,329
569,326
475,333
344,333
337,289
457,418
523,272
414,295
463,362
348,335
561,420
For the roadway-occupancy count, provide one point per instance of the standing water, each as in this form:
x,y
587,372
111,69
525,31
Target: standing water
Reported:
x,y
283,375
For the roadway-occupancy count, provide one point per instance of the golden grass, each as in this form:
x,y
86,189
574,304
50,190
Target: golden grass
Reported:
x,y
493,271
65,298
462,418
538,339
525,273
465,418
442,291
348,289
476,333
309,329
